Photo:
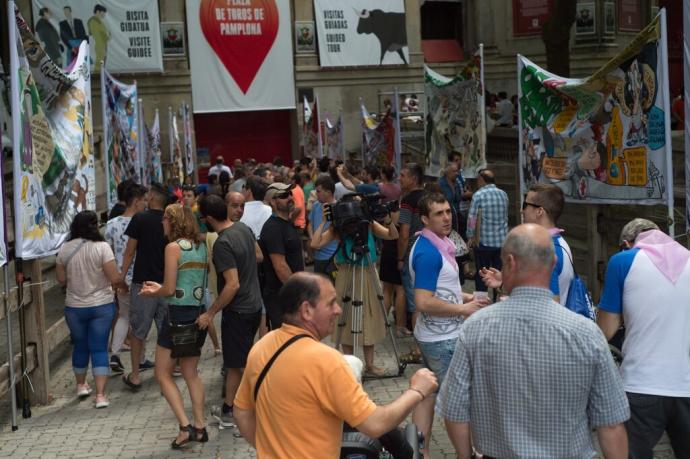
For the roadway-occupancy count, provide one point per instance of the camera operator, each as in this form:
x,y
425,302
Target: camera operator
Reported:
x,y
355,238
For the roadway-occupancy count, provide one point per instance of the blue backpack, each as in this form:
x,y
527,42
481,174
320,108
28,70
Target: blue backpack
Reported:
x,y
579,300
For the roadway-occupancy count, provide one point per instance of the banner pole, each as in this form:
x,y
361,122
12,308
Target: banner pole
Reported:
x,y
318,124
106,136
140,138
521,175
667,123
398,141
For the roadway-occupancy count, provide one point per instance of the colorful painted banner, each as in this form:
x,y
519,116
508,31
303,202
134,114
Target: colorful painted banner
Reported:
x,y
378,139
187,131
53,142
120,133
240,54
154,141
124,35
605,138
455,118
361,32
686,93
334,138
311,130
176,165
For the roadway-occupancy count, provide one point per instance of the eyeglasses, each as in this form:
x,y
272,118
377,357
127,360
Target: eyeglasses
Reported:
x,y
526,203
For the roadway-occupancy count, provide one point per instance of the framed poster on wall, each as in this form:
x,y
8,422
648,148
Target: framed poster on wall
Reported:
x,y
630,15
529,16
585,18
305,38
172,38
609,17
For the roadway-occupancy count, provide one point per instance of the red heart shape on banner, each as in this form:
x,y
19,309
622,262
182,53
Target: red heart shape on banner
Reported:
x,y
241,32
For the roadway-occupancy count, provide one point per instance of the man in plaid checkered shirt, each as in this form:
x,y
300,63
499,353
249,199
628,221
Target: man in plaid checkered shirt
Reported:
x,y
489,212
530,377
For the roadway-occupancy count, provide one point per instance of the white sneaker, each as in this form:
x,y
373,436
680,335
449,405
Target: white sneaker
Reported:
x,y
102,402
83,390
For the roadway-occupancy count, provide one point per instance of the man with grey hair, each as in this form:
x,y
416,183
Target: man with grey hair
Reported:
x,y
530,377
235,203
647,287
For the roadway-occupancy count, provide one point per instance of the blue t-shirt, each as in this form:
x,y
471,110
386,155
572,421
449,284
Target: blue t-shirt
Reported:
x,y
616,272
315,217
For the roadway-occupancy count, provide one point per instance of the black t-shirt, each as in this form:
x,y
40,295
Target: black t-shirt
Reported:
x,y
410,202
234,249
281,237
147,228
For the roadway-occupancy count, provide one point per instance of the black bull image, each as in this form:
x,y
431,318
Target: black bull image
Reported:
x,y
389,28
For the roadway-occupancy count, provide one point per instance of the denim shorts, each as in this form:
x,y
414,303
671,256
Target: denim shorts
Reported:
x,y
437,356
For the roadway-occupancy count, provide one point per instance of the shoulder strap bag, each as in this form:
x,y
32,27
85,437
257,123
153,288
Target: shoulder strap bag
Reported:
x,y
273,358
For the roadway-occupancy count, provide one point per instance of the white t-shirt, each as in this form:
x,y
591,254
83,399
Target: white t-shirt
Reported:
x,y
255,215
430,271
117,239
87,284
340,191
563,272
656,313
218,168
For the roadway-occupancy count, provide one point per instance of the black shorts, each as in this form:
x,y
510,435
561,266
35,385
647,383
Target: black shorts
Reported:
x,y
180,315
237,334
388,270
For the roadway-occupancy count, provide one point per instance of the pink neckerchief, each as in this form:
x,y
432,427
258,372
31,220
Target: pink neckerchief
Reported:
x,y
555,231
667,255
445,246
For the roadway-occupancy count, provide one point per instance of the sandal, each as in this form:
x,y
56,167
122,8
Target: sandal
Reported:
x,y
191,436
131,385
411,358
201,435
374,372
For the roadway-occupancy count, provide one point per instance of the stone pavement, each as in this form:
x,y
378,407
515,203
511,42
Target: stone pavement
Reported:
x,y
141,425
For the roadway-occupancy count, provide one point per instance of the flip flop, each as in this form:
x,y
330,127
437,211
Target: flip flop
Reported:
x,y
131,385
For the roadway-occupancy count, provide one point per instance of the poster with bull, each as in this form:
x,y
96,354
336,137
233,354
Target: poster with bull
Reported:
x,y
455,118
361,32
120,134
604,138
123,34
53,162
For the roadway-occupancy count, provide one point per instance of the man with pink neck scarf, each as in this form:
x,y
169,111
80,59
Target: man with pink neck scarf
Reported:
x,y
438,297
647,286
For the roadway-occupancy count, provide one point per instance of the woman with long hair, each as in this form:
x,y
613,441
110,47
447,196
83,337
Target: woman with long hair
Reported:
x,y
184,283
86,265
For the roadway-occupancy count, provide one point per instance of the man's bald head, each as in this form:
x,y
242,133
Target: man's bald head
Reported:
x,y
528,257
235,202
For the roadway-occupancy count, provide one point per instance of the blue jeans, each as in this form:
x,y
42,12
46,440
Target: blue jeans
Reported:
x,y
437,356
408,287
90,329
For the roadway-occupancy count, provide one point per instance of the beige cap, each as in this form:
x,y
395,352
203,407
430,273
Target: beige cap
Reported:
x,y
277,188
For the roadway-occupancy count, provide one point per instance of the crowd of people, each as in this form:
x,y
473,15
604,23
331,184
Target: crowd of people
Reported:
x,y
514,374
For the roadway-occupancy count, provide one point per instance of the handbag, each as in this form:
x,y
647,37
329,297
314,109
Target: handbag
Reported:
x,y
185,337
461,248
579,300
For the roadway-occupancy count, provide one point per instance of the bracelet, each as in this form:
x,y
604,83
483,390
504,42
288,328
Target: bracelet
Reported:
x,y
418,391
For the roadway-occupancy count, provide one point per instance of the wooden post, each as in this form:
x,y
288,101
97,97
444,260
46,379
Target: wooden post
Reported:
x,y
596,245
36,334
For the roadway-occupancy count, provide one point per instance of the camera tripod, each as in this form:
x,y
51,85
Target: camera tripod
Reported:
x,y
353,304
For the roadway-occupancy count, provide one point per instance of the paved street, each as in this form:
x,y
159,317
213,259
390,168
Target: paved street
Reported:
x,y
140,425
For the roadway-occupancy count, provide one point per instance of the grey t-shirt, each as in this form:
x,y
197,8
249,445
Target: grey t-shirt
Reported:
x,y
234,249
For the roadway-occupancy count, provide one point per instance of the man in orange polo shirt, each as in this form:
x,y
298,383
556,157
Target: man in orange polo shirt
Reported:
x,y
308,390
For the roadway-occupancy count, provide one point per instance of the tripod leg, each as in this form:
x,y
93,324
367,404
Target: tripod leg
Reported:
x,y
379,296
346,303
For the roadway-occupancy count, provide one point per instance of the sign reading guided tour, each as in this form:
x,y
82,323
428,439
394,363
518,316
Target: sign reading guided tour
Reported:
x,y
240,55
123,34
361,32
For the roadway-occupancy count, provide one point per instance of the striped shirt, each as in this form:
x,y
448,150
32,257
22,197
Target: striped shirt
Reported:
x,y
532,378
493,203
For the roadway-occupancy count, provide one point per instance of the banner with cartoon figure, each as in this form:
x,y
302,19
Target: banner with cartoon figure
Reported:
x,y
378,139
455,118
240,55
605,138
311,130
187,131
176,165
334,138
53,143
120,133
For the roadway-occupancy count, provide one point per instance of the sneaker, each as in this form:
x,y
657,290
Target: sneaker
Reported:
x,y
116,365
176,371
101,401
146,365
224,419
83,390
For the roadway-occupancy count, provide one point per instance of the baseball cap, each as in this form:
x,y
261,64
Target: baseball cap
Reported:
x,y
277,188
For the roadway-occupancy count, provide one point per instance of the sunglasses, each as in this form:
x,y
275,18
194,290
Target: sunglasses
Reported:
x,y
283,195
525,204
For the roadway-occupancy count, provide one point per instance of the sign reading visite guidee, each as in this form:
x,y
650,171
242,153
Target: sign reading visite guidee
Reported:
x,y
124,34
240,53
361,32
